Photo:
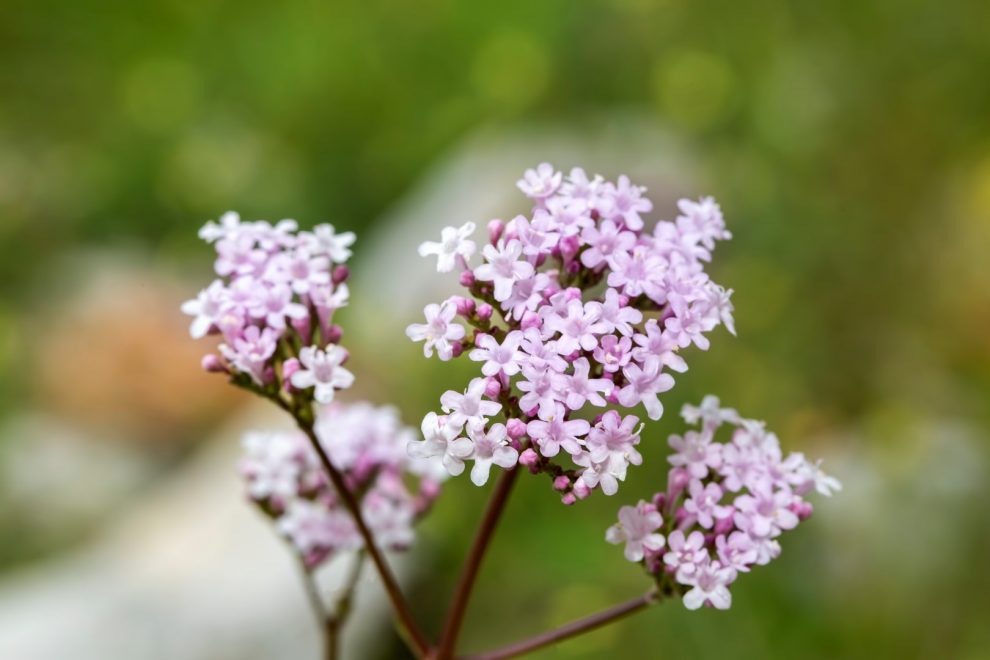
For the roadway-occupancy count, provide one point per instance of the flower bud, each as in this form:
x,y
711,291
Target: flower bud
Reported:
x,y
561,483
568,499
515,428
677,481
572,293
581,490
213,364
457,349
485,311
724,525
492,388
465,306
802,509
340,274
528,458
289,367
466,278
530,320
334,334
495,229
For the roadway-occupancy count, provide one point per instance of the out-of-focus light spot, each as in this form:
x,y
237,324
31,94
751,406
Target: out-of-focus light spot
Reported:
x,y
694,89
511,69
160,94
792,104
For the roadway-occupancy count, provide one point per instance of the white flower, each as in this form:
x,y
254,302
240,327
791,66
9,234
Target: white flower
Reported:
x,y
438,331
541,182
454,242
439,440
490,446
503,267
469,407
637,528
322,370
324,239
206,307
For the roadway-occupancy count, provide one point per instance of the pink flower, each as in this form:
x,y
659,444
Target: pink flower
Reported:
x,y
470,407
300,270
710,584
695,452
615,435
505,357
737,551
206,307
637,528
558,432
537,238
684,553
710,413
580,388
578,327
605,241
540,353
638,272
526,295
615,315
613,353
541,387
541,182
251,352
454,243
440,440
322,371
644,383
765,513
607,473
325,240
703,506
438,332
626,202
491,446
660,344
503,268
273,304
237,255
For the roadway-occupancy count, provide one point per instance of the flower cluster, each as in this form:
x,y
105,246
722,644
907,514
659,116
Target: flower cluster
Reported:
x,y
725,506
368,445
576,311
273,304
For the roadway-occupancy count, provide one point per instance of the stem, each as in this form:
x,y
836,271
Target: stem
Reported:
x,y
462,593
402,611
572,629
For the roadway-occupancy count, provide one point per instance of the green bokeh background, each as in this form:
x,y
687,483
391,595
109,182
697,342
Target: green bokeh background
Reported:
x,y
848,143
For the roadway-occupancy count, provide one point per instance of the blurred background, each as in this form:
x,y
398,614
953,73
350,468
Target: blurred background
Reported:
x,y
847,142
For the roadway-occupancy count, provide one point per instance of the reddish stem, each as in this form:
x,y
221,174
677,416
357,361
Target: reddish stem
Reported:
x,y
482,538
399,604
572,629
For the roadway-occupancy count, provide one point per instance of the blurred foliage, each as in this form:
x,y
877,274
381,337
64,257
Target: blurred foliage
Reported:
x,y
847,141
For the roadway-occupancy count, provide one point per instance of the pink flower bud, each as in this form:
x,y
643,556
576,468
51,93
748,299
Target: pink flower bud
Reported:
x,y
516,428
334,334
660,501
677,481
561,483
802,509
429,489
680,516
485,311
573,267
581,490
457,348
569,246
572,293
492,388
530,320
213,364
495,229
303,327
724,525
528,458
289,367
466,278
340,274
465,306
568,499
